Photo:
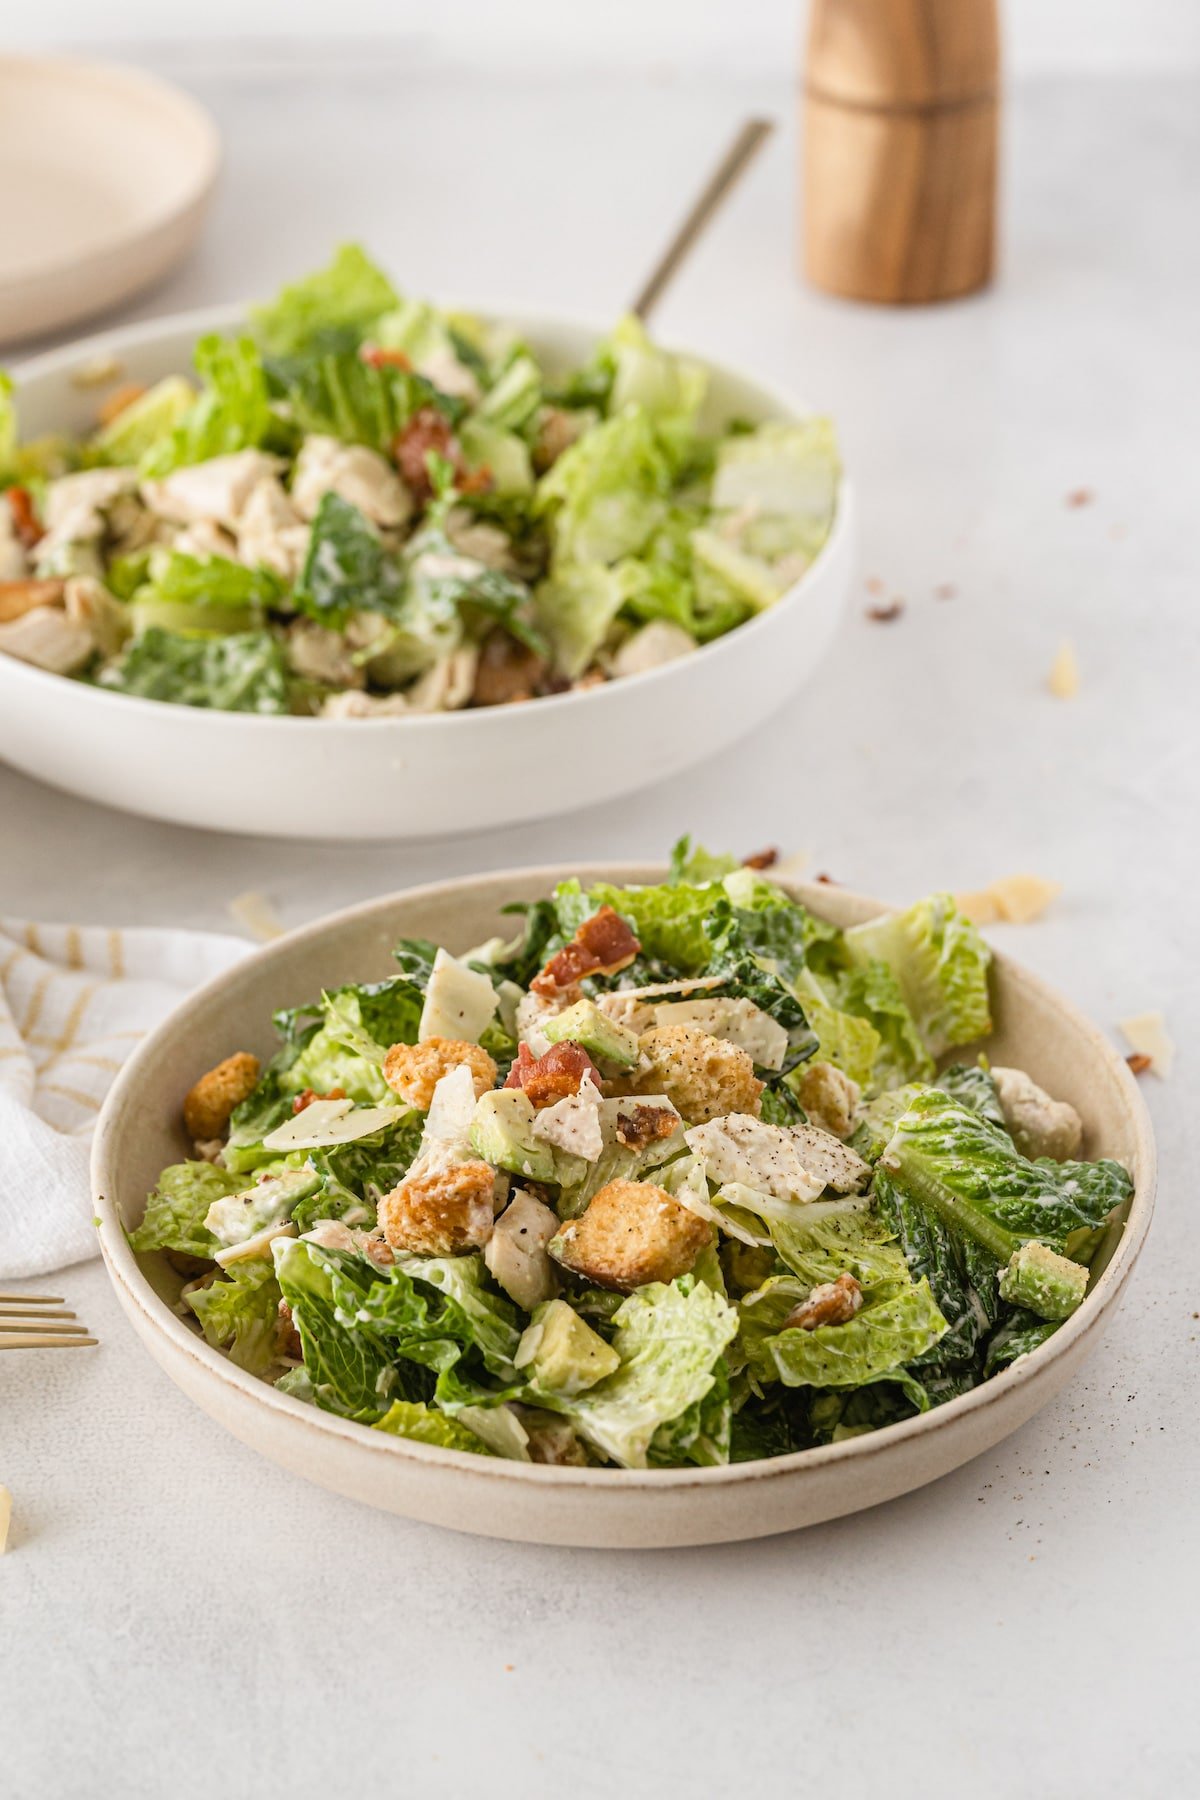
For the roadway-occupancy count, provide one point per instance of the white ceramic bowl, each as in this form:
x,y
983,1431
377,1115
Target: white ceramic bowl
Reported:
x,y
140,1133
418,777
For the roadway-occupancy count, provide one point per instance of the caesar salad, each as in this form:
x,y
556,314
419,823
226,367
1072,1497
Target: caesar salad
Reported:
x,y
366,507
679,1174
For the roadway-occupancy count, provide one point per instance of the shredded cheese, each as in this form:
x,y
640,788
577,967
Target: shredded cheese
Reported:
x,y
1013,900
98,372
1146,1034
5,1516
255,912
1063,679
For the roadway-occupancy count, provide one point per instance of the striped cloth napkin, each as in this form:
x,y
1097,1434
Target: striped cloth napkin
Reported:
x,y
73,1002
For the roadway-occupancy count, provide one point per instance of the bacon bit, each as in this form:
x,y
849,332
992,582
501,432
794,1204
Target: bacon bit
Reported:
x,y
473,481
874,585
828,881
945,590
545,1079
426,434
289,1337
762,859
377,357
832,1303
603,945
118,400
1139,1062
19,597
309,1095
645,1125
1080,497
26,523
506,670
883,615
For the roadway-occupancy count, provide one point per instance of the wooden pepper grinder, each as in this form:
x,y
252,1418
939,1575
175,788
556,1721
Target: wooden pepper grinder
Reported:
x,y
901,117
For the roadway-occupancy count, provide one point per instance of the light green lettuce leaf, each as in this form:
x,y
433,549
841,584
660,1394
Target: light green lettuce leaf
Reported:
x,y
670,1339
781,470
669,389
176,1210
240,1314
413,1419
941,964
232,411
606,494
895,1324
348,295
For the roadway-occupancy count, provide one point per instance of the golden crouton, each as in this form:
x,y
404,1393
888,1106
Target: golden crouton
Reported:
x,y
440,1209
701,1075
829,1098
208,1105
414,1070
632,1232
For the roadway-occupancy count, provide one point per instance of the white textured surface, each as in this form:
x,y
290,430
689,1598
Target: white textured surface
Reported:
x,y
177,1616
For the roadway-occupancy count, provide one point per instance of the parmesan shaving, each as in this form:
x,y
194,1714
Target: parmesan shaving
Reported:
x,y
255,912
1063,679
5,1516
1146,1034
1013,900
98,372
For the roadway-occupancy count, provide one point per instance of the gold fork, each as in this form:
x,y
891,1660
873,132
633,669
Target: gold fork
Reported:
x,y
39,1322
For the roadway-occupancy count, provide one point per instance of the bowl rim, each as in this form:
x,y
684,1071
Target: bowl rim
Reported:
x,y
136,1290
232,314
101,72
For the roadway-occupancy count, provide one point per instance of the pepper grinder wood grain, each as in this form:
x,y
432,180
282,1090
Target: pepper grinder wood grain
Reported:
x,y
900,148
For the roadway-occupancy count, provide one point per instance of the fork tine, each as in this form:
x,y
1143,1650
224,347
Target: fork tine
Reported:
x,y
39,1325
26,1340
32,1299
18,1312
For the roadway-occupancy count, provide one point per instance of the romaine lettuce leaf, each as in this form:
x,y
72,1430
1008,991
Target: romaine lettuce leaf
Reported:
x,y
941,964
413,1419
348,295
694,866
202,594
606,493
241,672
337,394
240,1314
669,389
232,411
974,1087
347,569
670,1339
896,1324
969,1174
781,470
176,1210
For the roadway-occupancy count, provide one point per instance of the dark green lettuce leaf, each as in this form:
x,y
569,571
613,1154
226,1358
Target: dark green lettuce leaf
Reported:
x,y
240,1314
347,568
242,672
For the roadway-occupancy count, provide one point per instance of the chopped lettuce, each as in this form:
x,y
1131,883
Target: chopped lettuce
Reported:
x,y
232,411
896,1323
240,672
668,389
176,1210
347,570
670,1338
240,1314
970,1175
347,296
941,964
413,1419
781,470
607,492
209,594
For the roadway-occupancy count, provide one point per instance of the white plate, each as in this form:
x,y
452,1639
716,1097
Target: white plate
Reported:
x,y
417,777
105,174
140,1132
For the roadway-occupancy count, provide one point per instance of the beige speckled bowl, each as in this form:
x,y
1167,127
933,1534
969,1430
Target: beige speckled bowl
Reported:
x,y
140,1132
